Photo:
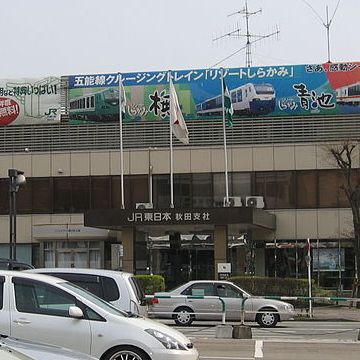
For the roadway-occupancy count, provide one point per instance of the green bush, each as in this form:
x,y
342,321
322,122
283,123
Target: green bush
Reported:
x,y
151,283
265,286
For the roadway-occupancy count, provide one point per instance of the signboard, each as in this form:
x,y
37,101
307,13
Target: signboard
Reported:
x,y
292,90
30,101
328,259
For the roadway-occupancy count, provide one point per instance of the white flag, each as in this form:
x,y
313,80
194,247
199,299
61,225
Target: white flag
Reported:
x,y
178,125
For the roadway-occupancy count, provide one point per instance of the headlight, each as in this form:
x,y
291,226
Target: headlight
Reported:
x,y
168,341
289,307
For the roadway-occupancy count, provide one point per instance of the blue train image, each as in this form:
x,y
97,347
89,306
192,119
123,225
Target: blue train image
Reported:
x,y
248,99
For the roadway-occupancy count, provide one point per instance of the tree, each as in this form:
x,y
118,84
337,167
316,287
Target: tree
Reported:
x,y
344,155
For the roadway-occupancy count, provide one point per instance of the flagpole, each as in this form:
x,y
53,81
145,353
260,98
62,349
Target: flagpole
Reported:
x,y
224,131
121,143
171,149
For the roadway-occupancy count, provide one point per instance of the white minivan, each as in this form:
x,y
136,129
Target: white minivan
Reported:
x,y
121,289
44,308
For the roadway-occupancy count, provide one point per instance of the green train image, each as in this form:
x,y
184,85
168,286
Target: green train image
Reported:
x,y
100,106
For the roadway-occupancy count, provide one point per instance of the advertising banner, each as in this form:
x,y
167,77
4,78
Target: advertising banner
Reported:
x,y
292,90
29,101
328,259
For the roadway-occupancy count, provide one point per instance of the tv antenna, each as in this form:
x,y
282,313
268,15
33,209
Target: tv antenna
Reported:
x,y
250,38
326,24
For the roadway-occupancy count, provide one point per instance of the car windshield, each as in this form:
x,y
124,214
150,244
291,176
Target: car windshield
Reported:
x,y
95,300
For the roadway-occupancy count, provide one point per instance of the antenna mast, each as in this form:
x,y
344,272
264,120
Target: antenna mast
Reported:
x,y
236,33
326,24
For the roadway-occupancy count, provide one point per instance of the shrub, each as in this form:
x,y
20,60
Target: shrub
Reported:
x,y
151,283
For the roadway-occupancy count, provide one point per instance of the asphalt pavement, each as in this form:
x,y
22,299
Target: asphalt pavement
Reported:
x,y
330,313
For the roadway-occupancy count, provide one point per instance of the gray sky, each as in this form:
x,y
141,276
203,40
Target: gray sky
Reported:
x,y
63,37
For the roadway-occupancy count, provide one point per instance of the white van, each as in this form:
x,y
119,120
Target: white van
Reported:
x,y
39,307
121,289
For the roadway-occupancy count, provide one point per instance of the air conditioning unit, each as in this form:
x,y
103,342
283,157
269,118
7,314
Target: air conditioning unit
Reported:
x,y
144,206
255,201
233,201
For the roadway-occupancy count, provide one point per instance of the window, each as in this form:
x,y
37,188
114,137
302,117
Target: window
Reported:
x,y
41,195
2,280
202,289
100,192
306,189
39,298
202,190
228,291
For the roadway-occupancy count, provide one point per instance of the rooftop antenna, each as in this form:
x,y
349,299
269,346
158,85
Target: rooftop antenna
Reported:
x,y
326,24
237,33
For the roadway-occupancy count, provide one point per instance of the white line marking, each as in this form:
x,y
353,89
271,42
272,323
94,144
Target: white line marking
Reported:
x,y
258,349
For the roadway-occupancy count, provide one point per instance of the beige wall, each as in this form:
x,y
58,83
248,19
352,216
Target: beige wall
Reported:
x,y
291,224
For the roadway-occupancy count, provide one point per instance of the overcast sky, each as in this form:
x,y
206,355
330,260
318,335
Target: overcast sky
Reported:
x,y
63,37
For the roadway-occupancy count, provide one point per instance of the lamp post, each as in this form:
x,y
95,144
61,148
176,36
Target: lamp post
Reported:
x,y
16,178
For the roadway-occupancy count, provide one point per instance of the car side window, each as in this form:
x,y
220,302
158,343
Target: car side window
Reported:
x,y
228,291
39,298
201,289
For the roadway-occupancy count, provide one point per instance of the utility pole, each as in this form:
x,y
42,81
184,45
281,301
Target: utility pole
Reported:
x,y
250,38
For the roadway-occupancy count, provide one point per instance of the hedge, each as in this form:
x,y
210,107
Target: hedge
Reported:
x,y
274,286
151,283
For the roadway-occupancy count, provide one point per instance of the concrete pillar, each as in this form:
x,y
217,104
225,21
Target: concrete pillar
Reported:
x,y
128,241
220,246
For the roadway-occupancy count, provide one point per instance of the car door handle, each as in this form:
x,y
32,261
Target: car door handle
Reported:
x,y
22,322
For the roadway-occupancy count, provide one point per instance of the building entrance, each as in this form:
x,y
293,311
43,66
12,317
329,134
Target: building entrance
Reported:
x,y
181,258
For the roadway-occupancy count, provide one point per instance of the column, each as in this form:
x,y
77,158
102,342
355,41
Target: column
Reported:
x,y
128,242
220,246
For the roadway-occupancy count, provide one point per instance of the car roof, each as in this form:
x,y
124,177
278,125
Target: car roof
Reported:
x,y
87,271
27,275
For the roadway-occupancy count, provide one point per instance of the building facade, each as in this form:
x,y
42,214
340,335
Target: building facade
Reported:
x,y
284,186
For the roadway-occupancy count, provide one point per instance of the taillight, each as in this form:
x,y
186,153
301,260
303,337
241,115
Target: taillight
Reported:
x,y
154,300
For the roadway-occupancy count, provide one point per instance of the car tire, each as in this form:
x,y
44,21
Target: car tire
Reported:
x,y
184,316
267,319
125,352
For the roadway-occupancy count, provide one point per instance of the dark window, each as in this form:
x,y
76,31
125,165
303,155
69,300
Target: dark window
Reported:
x,y
306,189
40,298
62,194
161,191
277,188
100,192
329,188
2,280
4,196
182,190
42,195
80,193
24,197
202,190
140,295
111,290
228,291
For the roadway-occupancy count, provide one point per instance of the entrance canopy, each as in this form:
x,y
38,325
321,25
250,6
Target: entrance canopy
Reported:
x,y
161,221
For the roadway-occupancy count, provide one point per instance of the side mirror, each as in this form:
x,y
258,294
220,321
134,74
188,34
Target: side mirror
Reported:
x,y
75,312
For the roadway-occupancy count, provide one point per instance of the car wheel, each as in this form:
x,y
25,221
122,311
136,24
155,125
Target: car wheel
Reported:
x,y
267,317
184,316
125,352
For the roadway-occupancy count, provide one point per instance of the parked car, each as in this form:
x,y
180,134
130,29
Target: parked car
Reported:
x,y
37,306
121,289
9,264
176,305
15,349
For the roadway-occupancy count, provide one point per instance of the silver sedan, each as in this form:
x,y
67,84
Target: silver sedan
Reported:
x,y
205,300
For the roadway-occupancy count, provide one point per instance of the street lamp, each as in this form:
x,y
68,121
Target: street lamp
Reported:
x,y
16,178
